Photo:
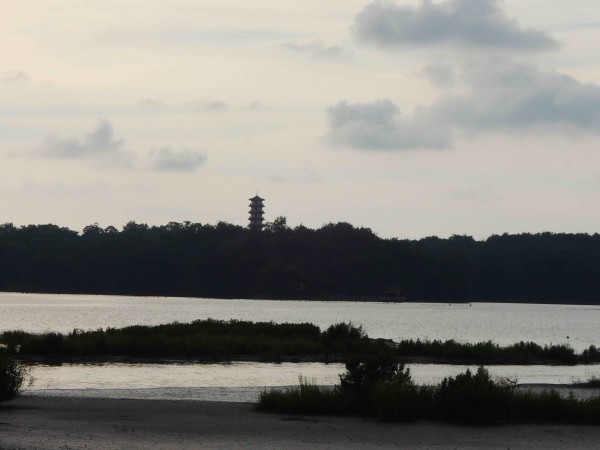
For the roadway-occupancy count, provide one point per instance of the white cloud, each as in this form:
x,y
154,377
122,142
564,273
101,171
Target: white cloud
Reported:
x,y
320,51
168,159
303,175
461,23
207,105
481,193
15,77
255,106
152,104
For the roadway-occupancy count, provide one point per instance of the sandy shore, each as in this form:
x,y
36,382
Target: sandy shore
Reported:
x,y
74,423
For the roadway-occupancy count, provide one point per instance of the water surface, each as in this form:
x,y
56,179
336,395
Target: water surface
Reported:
x,y
504,323
243,381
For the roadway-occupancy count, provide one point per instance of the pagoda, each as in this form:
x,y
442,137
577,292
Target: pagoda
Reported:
x,y
256,213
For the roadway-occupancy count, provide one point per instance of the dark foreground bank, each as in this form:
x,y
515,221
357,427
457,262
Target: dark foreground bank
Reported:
x,y
74,423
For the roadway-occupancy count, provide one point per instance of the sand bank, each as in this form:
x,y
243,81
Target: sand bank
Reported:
x,y
75,423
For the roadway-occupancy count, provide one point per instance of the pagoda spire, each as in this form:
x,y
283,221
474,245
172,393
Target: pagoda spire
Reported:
x,y
256,213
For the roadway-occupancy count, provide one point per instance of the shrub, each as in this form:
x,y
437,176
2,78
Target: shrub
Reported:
x,y
363,372
343,330
397,398
13,375
591,354
473,398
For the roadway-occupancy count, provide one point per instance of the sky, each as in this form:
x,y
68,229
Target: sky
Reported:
x,y
412,118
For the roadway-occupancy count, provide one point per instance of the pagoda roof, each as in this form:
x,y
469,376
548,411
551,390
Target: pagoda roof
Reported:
x,y
256,197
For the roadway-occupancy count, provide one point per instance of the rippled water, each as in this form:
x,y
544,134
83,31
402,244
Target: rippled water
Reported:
x,y
501,323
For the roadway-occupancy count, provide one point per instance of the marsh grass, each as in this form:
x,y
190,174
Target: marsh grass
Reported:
x,y
306,398
207,339
491,353
267,341
592,382
551,407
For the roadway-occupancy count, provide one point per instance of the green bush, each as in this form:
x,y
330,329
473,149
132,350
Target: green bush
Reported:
x,y
13,375
473,398
398,399
363,372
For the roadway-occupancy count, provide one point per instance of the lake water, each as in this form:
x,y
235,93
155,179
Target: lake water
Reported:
x,y
502,323
243,381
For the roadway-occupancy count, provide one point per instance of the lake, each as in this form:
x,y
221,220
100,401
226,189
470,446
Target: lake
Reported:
x,y
503,323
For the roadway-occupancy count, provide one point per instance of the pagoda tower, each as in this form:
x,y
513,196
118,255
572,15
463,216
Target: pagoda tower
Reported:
x,y
256,213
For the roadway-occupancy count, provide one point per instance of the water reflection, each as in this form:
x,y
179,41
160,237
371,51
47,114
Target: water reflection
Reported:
x,y
242,381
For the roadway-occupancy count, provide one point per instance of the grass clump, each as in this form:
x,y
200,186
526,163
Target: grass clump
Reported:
x,y
306,398
551,407
592,382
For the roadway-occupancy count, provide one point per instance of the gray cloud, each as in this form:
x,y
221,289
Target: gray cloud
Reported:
x,y
493,95
207,106
507,95
168,159
463,23
378,126
439,74
15,77
319,51
100,144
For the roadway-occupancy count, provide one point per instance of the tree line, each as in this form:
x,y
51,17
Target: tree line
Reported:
x,y
337,260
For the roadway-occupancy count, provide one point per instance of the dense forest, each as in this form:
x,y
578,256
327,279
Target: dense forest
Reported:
x,y
336,261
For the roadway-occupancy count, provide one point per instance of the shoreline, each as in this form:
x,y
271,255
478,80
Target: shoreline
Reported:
x,y
323,298
249,394
325,359
60,422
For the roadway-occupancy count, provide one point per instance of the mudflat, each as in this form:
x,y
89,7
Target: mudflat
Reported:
x,y
77,423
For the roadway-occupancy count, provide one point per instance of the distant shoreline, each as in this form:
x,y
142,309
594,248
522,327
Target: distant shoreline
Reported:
x,y
324,298
337,261
331,359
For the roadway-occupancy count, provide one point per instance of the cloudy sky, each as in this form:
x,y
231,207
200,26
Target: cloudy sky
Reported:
x,y
410,117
